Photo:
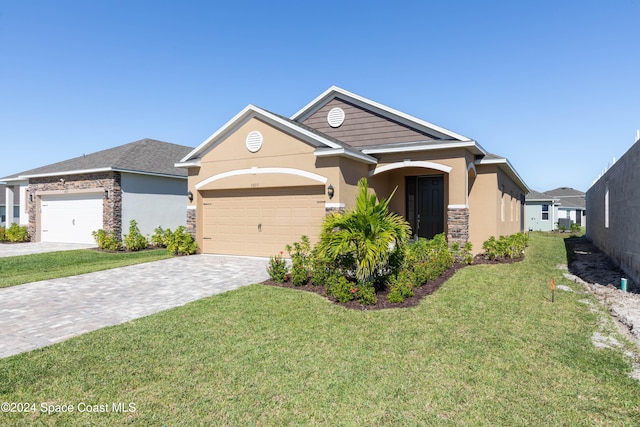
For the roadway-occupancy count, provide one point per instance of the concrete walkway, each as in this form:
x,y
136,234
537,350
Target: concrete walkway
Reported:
x,y
17,249
38,314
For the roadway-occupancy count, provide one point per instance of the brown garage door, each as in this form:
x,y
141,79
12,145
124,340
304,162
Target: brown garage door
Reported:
x,y
260,222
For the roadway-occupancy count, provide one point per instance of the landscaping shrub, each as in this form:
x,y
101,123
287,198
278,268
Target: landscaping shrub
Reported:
x,y
106,241
181,242
429,258
161,237
16,233
462,253
401,286
300,261
512,246
3,236
341,288
366,235
365,292
425,260
135,241
277,268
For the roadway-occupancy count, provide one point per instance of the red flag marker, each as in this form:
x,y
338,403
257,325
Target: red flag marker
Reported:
x,y
553,290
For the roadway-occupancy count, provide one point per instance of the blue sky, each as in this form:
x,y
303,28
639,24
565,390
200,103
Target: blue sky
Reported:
x,y
551,85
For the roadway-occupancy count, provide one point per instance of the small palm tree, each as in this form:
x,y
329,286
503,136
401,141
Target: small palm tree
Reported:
x,y
368,234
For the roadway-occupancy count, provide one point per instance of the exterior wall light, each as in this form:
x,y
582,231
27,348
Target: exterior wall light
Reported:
x,y
106,194
330,191
30,197
190,196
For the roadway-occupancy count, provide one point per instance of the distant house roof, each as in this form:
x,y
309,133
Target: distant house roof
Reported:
x,y
565,192
570,198
567,198
533,195
146,156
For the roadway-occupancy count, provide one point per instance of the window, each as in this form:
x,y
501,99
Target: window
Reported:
x,y
545,212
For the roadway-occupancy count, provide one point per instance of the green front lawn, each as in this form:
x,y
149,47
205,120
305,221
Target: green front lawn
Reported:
x,y
488,348
17,270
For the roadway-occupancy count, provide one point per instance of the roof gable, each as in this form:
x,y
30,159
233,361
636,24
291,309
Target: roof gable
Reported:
x,y
321,142
418,125
146,156
362,127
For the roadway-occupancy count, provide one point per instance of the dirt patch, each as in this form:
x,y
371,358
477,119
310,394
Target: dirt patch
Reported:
x,y
418,293
592,267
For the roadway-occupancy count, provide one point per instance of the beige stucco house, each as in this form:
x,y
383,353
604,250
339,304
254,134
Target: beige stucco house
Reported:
x,y
263,180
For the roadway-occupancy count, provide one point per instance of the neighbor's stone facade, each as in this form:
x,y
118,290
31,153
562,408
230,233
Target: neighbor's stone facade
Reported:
x,y
100,181
458,225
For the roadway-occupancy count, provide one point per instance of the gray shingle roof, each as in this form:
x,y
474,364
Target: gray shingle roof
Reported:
x,y
565,192
536,195
143,156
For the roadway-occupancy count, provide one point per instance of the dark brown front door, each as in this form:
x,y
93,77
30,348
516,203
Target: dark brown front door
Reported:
x,y
425,205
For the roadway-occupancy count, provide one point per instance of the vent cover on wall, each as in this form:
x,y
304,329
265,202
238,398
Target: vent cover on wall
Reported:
x,y
254,141
335,118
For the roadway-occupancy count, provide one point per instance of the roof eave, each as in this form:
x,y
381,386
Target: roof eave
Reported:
x,y
471,145
342,152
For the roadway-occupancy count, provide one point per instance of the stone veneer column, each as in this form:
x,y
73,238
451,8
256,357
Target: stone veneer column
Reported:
x,y
112,212
458,225
329,211
191,222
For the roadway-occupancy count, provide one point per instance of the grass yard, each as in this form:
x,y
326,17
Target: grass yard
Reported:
x,y
17,270
489,348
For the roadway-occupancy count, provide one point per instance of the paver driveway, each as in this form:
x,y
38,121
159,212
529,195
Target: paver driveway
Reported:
x,y
38,314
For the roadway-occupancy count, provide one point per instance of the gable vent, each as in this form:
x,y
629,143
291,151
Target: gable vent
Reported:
x,y
335,118
254,141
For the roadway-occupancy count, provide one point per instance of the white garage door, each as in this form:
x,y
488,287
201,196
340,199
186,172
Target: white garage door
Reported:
x,y
70,218
260,222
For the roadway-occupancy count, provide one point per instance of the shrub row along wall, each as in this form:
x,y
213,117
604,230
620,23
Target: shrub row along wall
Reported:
x,y
613,206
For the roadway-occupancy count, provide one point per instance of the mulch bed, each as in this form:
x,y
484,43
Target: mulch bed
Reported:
x,y
419,293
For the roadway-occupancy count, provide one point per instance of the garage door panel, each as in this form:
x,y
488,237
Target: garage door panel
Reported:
x,y
260,222
70,218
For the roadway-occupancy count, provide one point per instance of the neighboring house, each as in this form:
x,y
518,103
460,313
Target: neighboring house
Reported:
x,y
613,203
66,201
14,207
262,180
572,205
541,211
563,205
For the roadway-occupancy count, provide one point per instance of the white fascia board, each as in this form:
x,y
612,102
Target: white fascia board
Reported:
x,y
372,105
425,147
251,111
342,152
71,172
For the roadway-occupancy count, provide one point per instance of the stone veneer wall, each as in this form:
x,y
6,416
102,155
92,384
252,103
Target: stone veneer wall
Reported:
x,y
329,211
458,225
191,222
110,181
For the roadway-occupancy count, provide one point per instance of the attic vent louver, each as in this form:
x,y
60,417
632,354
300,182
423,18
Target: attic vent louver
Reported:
x,y
254,141
335,118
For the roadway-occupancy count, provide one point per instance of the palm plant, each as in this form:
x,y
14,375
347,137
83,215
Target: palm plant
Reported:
x,y
367,235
